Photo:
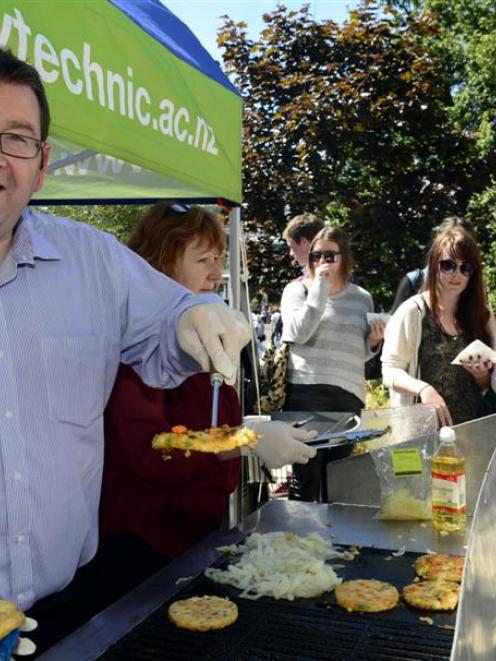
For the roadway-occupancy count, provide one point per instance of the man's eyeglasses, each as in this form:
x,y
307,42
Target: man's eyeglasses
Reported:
x,y
330,256
450,266
177,207
19,146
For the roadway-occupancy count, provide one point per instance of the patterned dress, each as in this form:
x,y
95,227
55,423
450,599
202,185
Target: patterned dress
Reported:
x,y
458,388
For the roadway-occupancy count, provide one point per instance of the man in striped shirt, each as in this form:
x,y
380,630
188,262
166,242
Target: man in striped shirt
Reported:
x,y
74,303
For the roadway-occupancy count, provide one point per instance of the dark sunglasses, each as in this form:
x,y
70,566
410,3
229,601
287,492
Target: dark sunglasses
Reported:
x,y
175,208
450,266
330,256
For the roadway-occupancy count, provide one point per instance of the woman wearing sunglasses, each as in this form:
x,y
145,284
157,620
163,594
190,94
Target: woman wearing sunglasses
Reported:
x,y
428,330
325,322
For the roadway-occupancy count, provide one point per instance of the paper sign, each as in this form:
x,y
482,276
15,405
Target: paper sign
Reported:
x,y
406,461
381,316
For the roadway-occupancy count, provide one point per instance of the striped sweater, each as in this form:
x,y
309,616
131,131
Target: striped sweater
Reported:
x,y
328,334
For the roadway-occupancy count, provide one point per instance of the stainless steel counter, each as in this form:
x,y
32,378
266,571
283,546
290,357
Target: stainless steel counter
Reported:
x,y
354,481
341,524
351,523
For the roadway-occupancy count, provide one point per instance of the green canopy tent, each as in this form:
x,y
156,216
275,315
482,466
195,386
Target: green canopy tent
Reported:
x,y
139,109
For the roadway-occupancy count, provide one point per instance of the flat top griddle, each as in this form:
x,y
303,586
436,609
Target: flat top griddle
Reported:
x,y
305,629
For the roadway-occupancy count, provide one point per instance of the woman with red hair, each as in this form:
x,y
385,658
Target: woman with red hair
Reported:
x,y
154,509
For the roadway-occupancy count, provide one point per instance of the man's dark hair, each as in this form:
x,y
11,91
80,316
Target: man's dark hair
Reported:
x,y
304,226
16,72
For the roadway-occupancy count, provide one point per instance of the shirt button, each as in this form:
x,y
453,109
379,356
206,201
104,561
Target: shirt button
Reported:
x,y
19,538
2,354
8,415
17,476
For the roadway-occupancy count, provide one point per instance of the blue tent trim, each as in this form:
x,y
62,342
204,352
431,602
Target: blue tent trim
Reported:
x,y
161,24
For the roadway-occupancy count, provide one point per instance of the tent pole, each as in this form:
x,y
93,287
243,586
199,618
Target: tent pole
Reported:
x,y
234,256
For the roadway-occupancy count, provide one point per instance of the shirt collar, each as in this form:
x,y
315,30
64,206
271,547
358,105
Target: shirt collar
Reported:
x,y
29,243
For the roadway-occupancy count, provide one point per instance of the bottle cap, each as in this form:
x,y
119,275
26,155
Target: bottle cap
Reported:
x,y
447,434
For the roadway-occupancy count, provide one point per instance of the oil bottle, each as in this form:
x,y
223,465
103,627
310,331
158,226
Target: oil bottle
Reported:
x,y
449,507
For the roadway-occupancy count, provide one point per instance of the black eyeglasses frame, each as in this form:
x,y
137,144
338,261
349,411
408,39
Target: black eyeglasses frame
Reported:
x,y
330,256
39,144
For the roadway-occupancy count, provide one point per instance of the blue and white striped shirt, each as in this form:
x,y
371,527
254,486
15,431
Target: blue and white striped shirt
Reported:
x,y
74,303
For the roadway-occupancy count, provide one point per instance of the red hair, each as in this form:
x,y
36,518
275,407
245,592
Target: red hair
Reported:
x,y
162,234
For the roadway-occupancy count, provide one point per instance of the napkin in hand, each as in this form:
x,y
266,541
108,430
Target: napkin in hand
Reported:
x,y
475,350
382,316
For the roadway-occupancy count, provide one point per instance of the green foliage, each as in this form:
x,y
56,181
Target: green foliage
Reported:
x,y
482,209
466,41
354,122
118,219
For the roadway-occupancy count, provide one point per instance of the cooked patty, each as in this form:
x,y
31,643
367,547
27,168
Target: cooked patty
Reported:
x,y
432,595
366,595
203,613
215,439
440,565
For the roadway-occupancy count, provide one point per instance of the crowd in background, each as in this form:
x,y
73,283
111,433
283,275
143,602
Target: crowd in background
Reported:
x,y
439,309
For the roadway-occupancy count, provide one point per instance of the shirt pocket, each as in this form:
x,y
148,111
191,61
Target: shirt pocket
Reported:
x,y
75,377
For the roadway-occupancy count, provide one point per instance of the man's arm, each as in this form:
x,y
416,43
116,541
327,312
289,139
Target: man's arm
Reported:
x,y
168,333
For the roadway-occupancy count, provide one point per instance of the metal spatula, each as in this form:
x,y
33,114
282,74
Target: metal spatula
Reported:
x,y
216,380
346,437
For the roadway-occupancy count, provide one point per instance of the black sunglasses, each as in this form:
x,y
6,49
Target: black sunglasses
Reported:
x,y
330,256
177,207
449,266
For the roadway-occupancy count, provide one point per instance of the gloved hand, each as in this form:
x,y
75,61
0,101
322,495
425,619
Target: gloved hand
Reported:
x,y
280,444
214,334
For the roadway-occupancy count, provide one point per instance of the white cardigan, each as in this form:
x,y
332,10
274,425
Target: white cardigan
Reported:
x,y
402,339
401,346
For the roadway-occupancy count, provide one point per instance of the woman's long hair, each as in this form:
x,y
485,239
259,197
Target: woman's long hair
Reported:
x,y
338,236
472,313
164,231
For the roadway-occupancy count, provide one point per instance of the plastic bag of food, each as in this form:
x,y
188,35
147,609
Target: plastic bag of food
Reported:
x,y
405,479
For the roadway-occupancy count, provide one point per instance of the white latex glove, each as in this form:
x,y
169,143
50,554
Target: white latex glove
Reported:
x,y
214,334
280,444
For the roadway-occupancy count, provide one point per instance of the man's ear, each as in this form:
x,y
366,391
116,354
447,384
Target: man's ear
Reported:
x,y
45,155
304,243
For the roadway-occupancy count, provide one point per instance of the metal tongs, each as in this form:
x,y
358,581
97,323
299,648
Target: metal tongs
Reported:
x,y
327,441
216,379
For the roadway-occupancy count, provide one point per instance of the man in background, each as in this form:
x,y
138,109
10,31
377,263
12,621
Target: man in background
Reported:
x,y
298,235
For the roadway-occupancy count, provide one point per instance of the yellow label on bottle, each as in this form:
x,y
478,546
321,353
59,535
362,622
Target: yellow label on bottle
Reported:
x,y
406,461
